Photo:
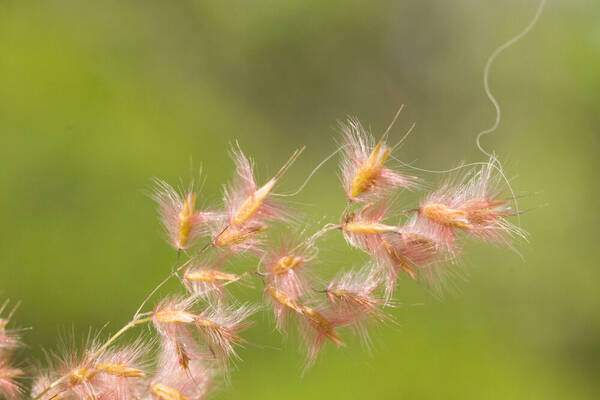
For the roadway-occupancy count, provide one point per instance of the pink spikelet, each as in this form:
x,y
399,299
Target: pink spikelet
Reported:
x,y
364,230
248,207
486,210
172,382
244,200
472,206
81,380
183,224
237,239
283,305
173,319
318,325
354,295
206,280
409,251
121,373
173,313
364,176
219,327
286,268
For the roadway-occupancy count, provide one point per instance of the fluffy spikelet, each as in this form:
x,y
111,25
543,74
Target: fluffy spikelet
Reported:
x,y
206,280
184,225
219,326
75,365
353,295
172,311
472,206
286,268
173,319
172,382
283,304
248,207
121,372
409,251
363,173
316,326
363,230
486,210
244,200
239,238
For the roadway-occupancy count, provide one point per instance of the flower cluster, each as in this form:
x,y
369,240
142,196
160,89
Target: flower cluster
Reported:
x,y
200,331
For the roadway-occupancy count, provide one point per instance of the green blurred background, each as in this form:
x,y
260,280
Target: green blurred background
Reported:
x,y
98,97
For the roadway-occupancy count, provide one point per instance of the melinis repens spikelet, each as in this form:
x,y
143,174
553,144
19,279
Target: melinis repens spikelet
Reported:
x,y
207,282
363,230
244,200
283,304
353,295
174,383
486,210
172,312
174,320
184,225
472,206
121,372
316,326
409,251
248,207
440,219
205,279
238,238
219,325
364,176
285,268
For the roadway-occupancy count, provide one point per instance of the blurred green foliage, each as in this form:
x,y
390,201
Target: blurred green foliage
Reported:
x,y
98,97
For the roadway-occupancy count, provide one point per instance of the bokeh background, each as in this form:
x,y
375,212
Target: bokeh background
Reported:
x,y
98,97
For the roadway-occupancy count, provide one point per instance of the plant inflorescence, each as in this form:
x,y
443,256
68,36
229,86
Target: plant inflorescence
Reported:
x,y
199,330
